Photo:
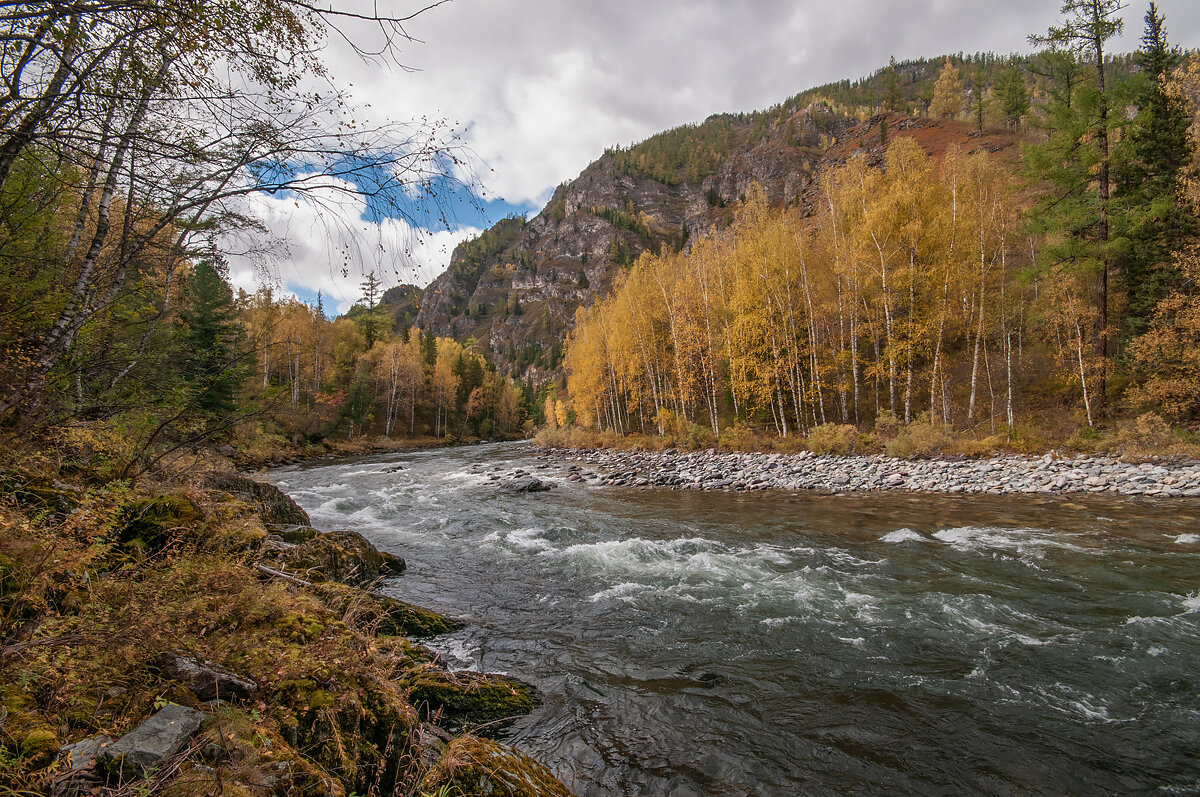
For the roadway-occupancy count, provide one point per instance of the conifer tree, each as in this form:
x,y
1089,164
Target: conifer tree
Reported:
x,y
1013,95
947,93
1147,168
895,98
1076,161
372,321
979,97
210,337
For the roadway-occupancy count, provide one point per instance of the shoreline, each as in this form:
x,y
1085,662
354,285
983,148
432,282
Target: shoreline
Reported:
x,y
1004,475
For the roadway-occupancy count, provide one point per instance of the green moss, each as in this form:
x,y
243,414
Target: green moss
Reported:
x,y
39,747
297,626
465,699
319,699
147,525
29,742
383,615
474,766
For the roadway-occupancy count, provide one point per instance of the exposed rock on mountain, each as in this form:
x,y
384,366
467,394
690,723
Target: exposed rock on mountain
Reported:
x,y
516,287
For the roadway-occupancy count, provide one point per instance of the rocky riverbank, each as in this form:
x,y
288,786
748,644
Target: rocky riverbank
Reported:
x,y
198,632
712,470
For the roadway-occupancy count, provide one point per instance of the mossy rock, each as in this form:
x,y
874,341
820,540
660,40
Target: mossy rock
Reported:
x,y
38,493
27,736
383,615
467,699
474,767
275,506
147,525
344,556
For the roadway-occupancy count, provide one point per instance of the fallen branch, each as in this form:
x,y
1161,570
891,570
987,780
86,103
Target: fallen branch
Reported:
x,y
270,571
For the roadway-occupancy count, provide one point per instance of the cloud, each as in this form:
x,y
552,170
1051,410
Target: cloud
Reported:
x,y
323,241
538,88
543,86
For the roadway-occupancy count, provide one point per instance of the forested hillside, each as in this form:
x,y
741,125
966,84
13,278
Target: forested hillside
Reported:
x,y
934,288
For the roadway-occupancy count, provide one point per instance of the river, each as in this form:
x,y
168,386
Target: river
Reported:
x,y
689,643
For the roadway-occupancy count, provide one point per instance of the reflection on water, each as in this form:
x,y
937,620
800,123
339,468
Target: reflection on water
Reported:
x,y
770,644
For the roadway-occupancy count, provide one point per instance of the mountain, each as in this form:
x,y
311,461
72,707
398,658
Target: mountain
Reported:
x,y
515,288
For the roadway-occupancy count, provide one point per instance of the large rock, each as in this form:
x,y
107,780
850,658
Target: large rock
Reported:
x,y
152,742
481,767
207,680
523,485
344,556
275,506
466,699
384,615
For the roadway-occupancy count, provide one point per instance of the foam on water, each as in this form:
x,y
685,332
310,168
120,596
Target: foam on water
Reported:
x,y
903,535
994,645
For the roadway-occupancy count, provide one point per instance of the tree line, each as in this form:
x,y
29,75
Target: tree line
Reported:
x,y
133,136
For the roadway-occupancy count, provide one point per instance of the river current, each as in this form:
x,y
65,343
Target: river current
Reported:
x,y
690,643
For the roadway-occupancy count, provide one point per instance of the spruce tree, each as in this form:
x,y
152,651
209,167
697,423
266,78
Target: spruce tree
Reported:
x,y
371,322
1147,166
894,98
1075,159
210,337
1013,96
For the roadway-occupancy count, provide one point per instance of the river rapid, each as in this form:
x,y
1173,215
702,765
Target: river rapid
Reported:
x,y
711,643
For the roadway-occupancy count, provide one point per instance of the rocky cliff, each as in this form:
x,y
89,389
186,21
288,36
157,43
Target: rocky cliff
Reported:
x,y
516,287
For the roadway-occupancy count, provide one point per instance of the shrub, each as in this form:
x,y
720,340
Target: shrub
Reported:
x,y
833,438
919,438
887,425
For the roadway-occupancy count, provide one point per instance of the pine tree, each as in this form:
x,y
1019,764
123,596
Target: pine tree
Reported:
x,y
372,321
894,98
1076,161
947,93
1147,166
1013,95
979,98
211,338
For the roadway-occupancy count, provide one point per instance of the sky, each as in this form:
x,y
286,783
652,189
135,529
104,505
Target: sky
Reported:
x,y
538,89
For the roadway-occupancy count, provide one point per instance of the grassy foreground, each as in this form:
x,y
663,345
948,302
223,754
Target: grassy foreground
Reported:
x,y
99,580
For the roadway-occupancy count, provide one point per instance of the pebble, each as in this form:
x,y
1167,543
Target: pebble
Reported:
x,y
1012,474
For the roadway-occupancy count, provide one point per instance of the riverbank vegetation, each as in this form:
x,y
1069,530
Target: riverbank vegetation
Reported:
x,y
118,601
937,303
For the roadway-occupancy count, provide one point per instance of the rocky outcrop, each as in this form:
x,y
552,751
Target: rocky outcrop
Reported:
x,y
516,287
344,556
275,506
207,681
524,484
462,700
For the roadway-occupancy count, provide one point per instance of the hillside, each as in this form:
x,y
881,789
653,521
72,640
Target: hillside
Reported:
x,y
516,287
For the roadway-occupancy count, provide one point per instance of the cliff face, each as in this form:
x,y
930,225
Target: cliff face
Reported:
x,y
515,288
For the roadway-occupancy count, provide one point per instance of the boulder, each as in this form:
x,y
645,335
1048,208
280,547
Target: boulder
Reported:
x,y
471,765
152,742
275,506
384,615
344,556
467,698
207,680
523,485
